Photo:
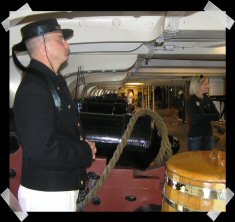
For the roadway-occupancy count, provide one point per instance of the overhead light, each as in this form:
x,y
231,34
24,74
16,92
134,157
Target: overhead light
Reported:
x,y
220,50
134,84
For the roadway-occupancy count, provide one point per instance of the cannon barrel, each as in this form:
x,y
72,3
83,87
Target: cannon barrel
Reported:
x,y
107,130
108,105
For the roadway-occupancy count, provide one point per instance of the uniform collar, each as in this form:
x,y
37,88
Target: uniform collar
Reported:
x,y
42,68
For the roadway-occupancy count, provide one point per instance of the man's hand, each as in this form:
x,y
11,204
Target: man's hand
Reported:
x,y
93,148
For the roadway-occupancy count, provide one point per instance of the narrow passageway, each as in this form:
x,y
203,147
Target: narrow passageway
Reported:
x,y
175,127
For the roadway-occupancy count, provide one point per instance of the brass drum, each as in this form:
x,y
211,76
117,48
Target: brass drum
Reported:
x,y
195,181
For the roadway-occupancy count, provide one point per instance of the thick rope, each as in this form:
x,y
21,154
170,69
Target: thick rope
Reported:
x,y
164,153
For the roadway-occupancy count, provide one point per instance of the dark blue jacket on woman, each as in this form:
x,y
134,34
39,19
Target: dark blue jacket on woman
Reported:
x,y
201,113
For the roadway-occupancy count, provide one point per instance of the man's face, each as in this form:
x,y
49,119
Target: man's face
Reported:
x,y
58,48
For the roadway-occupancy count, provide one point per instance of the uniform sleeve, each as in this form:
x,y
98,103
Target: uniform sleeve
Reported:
x,y
43,144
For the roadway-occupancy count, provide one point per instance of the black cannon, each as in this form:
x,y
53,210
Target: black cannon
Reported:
x,y
107,130
108,105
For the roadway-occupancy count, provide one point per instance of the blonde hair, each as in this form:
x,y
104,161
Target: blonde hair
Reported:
x,y
195,82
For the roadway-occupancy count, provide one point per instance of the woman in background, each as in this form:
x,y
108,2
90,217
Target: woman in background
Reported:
x,y
201,112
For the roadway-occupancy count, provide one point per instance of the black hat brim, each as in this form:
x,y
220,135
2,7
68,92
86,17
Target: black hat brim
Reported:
x,y
67,33
21,47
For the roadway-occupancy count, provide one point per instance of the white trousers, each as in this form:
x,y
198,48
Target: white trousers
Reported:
x,y
34,200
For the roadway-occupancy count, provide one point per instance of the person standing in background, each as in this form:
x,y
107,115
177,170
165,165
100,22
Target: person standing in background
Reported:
x,y
201,111
130,95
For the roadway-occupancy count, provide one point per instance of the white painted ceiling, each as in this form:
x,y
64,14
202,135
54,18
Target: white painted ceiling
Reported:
x,y
112,48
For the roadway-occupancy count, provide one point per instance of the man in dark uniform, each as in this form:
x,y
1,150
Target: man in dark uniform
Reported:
x,y
55,151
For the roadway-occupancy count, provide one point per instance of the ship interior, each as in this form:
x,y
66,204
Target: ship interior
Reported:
x,y
155,54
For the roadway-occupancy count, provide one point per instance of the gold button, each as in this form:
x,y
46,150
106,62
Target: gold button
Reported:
x,y
69,106
82,182
78,124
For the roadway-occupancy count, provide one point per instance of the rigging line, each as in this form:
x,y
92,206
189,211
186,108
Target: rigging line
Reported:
x,y
75,96
84,82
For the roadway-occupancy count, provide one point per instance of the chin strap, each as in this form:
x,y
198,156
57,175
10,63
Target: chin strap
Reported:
x,y
16,61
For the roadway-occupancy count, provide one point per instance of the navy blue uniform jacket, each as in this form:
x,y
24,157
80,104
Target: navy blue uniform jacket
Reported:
x,y
54,157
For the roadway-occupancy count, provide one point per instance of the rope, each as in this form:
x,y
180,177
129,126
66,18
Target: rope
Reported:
x,y
164,153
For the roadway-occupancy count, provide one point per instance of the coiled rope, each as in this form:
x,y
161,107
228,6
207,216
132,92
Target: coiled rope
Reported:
x,y
164,153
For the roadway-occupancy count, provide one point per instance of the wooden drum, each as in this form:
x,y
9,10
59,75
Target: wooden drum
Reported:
x,y
195,181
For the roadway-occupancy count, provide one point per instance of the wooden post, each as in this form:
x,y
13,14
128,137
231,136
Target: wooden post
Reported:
x,y
148,98
142,97
153,99
186,97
